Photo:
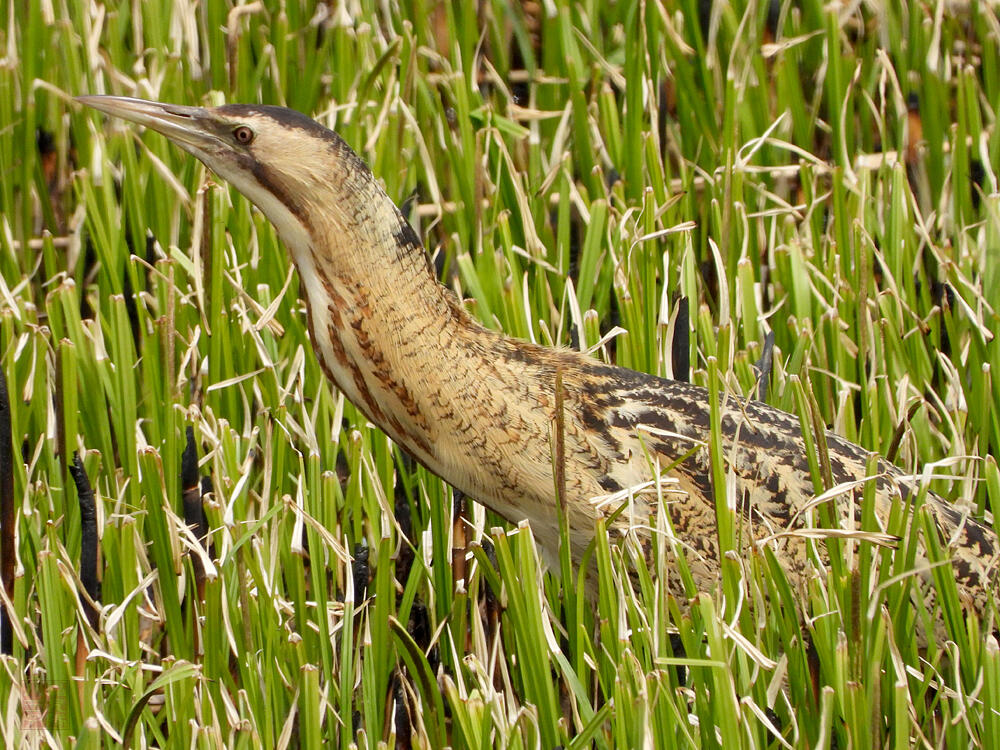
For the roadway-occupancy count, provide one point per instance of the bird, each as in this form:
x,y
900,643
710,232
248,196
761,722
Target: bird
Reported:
x,y
477,407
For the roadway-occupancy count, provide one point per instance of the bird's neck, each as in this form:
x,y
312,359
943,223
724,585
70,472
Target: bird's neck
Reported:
x,y
388,334
473,406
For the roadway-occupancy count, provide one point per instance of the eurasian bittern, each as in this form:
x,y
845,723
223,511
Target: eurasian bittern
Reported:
x,y
477,407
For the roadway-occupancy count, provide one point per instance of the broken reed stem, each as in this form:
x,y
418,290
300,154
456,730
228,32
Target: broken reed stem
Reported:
x,y
559,456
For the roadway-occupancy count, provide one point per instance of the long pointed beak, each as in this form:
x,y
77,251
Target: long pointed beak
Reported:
x,y
185,126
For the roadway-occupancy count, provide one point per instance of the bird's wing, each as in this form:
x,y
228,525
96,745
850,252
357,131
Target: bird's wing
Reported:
x,y
647,421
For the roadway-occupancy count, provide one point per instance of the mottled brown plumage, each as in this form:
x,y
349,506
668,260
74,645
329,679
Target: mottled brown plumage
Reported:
x,y
477,408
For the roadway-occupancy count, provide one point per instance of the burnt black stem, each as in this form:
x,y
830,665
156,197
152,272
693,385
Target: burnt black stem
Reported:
x,y
194,512
88,539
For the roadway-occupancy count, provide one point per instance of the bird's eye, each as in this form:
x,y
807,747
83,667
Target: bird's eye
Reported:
x,y
243,135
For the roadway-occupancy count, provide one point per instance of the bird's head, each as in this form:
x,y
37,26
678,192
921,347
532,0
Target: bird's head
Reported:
x,y
283,161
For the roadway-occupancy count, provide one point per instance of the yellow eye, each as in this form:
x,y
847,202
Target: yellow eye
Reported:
x,y
243,135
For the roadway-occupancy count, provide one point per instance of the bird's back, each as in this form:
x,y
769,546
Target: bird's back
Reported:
x,y
621,424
